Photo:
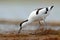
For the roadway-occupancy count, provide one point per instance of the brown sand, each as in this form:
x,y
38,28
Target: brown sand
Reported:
x,y
46,35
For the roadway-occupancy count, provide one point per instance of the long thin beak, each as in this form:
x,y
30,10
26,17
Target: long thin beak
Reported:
x,y
51,7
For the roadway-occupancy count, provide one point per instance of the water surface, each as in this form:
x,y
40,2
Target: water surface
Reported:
x,y
14,28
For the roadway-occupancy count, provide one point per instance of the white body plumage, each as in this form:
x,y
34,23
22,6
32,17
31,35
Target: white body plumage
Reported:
x,y
36,15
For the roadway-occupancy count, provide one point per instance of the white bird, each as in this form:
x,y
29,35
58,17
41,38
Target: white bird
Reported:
x,y
36,15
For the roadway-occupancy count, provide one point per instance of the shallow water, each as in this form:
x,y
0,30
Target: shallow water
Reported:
x,y
11,28
8,27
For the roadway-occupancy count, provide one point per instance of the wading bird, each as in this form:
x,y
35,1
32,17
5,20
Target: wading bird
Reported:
x,y
36,15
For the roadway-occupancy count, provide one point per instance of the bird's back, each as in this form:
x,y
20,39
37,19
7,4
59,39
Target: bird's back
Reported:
x,y
36,14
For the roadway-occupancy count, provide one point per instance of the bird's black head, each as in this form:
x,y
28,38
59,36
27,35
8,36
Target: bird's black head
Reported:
x,y
23,22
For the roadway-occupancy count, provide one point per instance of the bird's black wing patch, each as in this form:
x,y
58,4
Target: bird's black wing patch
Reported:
x,y
51,7
23,22
38,11
46,10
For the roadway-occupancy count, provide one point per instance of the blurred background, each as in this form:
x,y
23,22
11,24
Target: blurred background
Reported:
x,y
14,11
20,9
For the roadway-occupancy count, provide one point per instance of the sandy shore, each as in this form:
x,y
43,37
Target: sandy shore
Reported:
x,y
46,35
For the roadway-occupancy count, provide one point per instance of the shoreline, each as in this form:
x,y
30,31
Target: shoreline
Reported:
x,y
16,22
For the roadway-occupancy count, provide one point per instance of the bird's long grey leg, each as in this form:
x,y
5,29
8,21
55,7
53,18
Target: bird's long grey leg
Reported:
x,y
45,25
39,23
20,30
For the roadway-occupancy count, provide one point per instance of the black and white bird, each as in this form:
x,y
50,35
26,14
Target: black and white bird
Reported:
x,y
36,15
